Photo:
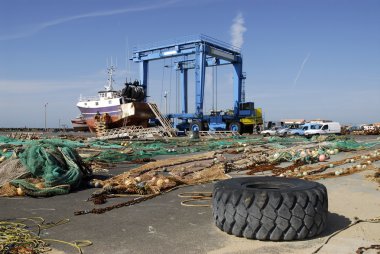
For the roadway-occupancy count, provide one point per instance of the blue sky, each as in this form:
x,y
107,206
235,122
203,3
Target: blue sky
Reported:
x,y
303,58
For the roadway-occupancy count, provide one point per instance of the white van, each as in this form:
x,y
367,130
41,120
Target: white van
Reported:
x,y
324,128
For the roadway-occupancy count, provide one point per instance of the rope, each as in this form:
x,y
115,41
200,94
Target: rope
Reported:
x,y
15,237
361,250
195,197
109,208
357,221
139,199
78,244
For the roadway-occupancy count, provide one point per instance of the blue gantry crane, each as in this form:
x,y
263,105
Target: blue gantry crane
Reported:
x,y
199,52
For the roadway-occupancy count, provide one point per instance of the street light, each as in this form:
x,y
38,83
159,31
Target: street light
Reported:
x,y
166,102
45,114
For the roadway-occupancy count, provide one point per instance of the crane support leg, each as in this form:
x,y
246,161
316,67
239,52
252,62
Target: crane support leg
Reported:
x,y
183,77
238,74
200,68
144,76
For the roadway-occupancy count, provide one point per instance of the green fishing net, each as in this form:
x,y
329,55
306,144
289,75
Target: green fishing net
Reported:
x,y
59,166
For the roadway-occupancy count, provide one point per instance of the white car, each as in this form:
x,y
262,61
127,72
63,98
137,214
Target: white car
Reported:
x,y
324,128
271,132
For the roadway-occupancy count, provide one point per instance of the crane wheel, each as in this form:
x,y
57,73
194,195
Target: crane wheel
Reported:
x,y
236,126
196,126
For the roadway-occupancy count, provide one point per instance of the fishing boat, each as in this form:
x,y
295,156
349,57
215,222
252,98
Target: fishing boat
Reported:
x,y
119,108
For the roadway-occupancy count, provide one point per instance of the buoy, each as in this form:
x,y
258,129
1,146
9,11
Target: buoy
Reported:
x,y
5,150
128,182
305,173
40,185
20,191
336,150
322,157
159,183
97,184
138,179
369,162
337,172
331,165
352,160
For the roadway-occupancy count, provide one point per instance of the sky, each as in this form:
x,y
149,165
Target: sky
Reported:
x,y
303,58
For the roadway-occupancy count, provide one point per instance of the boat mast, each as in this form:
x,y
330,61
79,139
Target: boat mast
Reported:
x,y
110,80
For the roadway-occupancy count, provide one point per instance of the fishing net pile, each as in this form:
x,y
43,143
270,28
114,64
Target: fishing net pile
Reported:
x,y
53,166
228,155
155,177
42,168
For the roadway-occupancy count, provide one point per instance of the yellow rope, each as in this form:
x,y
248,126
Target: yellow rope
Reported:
x,y
195,197
78,244
15,237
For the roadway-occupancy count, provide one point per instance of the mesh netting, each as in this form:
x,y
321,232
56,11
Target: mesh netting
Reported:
x,y
352,145
55,169
287,140
11,169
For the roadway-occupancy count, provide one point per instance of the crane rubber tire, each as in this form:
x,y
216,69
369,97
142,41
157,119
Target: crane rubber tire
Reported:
x,y
236,126
196,125
270,208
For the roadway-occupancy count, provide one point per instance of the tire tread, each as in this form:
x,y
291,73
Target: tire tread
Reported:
x,y
266,215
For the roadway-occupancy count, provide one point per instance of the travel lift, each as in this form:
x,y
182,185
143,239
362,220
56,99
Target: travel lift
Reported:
x,y
199,52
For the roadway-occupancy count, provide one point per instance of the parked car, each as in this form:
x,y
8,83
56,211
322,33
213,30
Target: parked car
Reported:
x,y
301,130
287,130
324,128
271,132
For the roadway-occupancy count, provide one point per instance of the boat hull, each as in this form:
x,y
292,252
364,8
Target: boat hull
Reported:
x,y
133,113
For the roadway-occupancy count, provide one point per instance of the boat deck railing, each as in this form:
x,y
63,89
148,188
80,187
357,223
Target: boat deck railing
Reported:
x,y
89,98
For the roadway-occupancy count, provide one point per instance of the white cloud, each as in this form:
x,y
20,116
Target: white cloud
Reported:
x,y
39,27
237,31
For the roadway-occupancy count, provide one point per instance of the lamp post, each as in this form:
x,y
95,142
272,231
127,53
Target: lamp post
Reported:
x,y
45,114
166,102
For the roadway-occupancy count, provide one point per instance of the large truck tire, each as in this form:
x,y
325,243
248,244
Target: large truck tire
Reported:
x,y
270,208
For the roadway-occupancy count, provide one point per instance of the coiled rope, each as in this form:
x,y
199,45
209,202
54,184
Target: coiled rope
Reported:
x,y
17,237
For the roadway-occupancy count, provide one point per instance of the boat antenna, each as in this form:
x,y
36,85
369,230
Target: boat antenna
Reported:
x,y
110,80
